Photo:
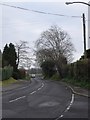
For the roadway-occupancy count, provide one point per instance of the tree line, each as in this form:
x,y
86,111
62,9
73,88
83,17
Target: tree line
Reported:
x,y
13,59
55,54
54,50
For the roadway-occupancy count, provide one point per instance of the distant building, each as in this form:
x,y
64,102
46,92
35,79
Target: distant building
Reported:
x,y
89,25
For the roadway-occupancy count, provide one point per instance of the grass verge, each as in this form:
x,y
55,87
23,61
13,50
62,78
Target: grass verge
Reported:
x,y
8,82
82,84
56,77
78,83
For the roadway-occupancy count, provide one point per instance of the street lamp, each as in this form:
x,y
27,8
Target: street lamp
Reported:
x,y
84,27
67,3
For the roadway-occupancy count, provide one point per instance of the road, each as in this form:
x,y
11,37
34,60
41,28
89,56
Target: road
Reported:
x,y
43,99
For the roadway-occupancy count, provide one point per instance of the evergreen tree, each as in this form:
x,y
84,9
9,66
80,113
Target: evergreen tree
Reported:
x,y
12,56
5,56
9,58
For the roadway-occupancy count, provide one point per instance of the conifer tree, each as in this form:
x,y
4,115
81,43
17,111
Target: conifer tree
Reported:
x,y
5,56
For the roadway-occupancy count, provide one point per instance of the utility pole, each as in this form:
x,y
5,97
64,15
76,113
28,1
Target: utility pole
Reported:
x,y
84,27
84,35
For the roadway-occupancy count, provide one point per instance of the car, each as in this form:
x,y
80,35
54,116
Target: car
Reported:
x,y
33,76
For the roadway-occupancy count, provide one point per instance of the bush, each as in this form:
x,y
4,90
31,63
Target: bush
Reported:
x,y
79,70
48,68
56,77
22,73
16,75
6,72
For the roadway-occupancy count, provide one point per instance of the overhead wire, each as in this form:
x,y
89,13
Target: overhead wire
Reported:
x,y
40,12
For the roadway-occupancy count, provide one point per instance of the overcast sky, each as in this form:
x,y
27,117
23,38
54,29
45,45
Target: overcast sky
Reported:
x,y
27,25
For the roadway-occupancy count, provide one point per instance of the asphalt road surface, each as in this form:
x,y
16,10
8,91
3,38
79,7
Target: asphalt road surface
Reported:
x,y
43,99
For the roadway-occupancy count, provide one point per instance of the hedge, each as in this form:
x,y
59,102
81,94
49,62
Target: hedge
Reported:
x,y
6,72
79,70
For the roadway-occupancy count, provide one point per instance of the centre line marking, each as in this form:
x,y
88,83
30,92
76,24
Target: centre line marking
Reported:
x,y
23,87
39,88
42,84
32,92
17,99
25,96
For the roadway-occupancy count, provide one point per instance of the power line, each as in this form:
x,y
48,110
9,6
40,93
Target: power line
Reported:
x,y
40,12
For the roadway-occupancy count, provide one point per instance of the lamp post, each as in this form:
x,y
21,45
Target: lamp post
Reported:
x,y
67,3
84,27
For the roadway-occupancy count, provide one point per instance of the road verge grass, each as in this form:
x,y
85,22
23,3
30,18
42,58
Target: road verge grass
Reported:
x,y
78,83
8,82
56,77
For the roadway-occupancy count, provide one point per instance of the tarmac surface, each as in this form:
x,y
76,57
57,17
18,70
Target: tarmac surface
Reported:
x,y
44,99
75,89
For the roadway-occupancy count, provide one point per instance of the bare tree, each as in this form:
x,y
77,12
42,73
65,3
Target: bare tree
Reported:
x,y
22,51
55,44
26,63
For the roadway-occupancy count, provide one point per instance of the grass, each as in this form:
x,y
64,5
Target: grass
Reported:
x,y
55,77
8,82
0,83
78,83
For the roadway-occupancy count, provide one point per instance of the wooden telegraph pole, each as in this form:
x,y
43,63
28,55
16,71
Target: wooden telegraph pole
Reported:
x,y
84,35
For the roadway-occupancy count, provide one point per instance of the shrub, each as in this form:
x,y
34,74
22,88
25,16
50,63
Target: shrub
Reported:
x,y
6,72
56,77
79,70
48,68
22,73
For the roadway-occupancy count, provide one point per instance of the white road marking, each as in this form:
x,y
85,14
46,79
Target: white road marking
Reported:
x,y
72,100
23,87
39,88
61,116
42,84
32,92
70,103
17,98
25,96
68,107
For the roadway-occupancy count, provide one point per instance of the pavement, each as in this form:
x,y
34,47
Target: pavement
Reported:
x,y
78,90
21,83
